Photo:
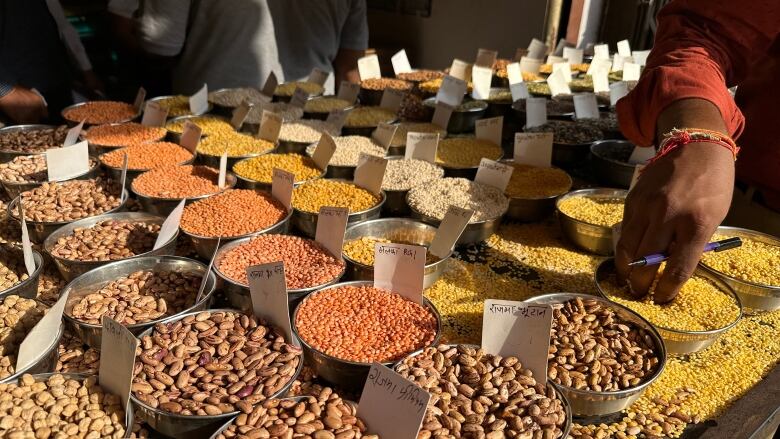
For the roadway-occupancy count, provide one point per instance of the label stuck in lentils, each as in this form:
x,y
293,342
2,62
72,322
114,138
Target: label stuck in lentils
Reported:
x,y
123,134
403,174
232,213
28,169
362,250
312,195
19,317
364,324
367,117
108,240
288,88
32,140
435,197
325,104
147,156
568,132
208,125
261,168
176,105
305,131
532,182
100,112
349,148
177,182
69,201
465,152
599,211
404,128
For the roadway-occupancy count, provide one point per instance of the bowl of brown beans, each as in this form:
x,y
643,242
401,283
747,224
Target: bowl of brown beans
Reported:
x,y
105,138
586,217
26,172
371,90
14,279
312,195
160,190
16,140
337,324
86,244
619,354
138,293
238,362
99,113
20,315
142,157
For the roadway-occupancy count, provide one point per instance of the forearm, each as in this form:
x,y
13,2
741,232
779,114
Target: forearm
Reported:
x,y
690,113
345,66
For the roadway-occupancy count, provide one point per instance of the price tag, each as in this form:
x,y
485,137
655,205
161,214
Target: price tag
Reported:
x,y
585,106
534,149
451,227
139,99
559,47
624,48
617,230
199,102
514,73
599,63
368,67
573,55
29,260
421,146
494,174
565,67
337,118
42,335
369,172
391,406
619,60
67,162
170,226
125,160
530,65
348,91
318,76
486,58
154,114
558,83
481,77
536,49
73,134
640,56
490,129
206,276
552,60
268,290
601,81
631,71
324,151
519,330
270,126
400,268
269,88
641,155
617,91
117,359
190,137
391,99
442,114
282,186
401,62
460,69
451,91
331,225
519,91
239,114
383,134
222,170
535,112
601,51
636,175
299,98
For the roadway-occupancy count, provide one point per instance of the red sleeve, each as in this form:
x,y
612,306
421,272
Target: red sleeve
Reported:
x,y
700,46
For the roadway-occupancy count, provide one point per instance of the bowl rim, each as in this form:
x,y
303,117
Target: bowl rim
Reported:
x,y
594,150
26,127
615,193
39,183
382,199
285,219
81,104
775,289
230,183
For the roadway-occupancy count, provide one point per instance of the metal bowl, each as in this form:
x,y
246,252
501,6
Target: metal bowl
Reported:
x,y
498,108
116,173
98,278
96,149
7,156
610,162
461,121
288,146
347,374
395,202
475,232
677,341
246,183
320,115
73,123
591,403
754,296
39,231
195,426
397,230
212,161
532,209
175,137
469,172
45,362
518,109
13,189
164,206
27,288
170,117
306,222
589,237
237,294
71,269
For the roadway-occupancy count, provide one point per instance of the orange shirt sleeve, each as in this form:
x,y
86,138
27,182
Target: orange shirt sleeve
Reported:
x,y
701,48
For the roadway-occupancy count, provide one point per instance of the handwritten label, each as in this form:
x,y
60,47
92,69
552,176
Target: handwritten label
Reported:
x,y
368,67
239,114
337,118
460,69
400,268
268,290
573,55
125,159
640,56
369,172
558,84
641,155
42,335
73,134
190,136
206,275
282,186
223,160
601,81
451,227
383,134
565,67
331,225
442,114
139,99
324,151
117,358
631,71
348,91
552,60
635,176
154,114
199,102
391,99
421,146
29,260
318,76
494,174
391,406
170,226
299,98
520,330
451,91
530,65
536,49
401,62
535,112
624,48
486,58
490,129
617,90
67,162
585,106
601,51
481,77
533,149
270,126
269,88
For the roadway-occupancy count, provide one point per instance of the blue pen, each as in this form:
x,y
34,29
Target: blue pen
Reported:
x,y
717,246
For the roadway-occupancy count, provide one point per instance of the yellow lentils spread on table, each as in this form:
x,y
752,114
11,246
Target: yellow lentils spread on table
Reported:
x,y
755,261
599,211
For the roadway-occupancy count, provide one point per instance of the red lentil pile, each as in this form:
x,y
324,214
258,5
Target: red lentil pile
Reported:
x,y
146,156
100,112
232,213
124,134
177,182
364,324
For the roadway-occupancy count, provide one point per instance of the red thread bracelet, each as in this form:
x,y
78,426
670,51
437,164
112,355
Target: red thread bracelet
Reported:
x,y
680,137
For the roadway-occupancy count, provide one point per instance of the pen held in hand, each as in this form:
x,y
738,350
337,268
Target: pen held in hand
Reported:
x,y
716,246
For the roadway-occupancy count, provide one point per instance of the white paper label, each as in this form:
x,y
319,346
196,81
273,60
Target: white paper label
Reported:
x,y
73,134
585,106
635,176
631,71
383,134
640,56
640,155
451,91
601,51
268,290
601,81
536,49
139,99
369,172
535,112
324,151
460,69
401,62
42,335
199,102
270,126
400,268
486,58
29,259
190,136
239,114
619,60
519,91
318,76
451,227
573,55
565,67
223,160
391,99
514,74
348,91
125,159
599,63
534,149
117,358
553,60
204,280
299,98
421,146
617,90
337,118
67,162
481,77
519,330
558,83
490,129
530,65
368,67
269,88
624,48
154,114
442,114
494,174
170,226
331,225
282,186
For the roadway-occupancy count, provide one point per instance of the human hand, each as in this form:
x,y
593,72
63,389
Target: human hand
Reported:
x,y
23,105
675,207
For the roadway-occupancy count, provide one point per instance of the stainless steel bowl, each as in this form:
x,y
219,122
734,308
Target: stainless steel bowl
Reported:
x,y
94,280
164,206
39,231
306,222
246,183
7,156
610,162
296,399
70,268
222,110
589,237
754,296
324,115
347,374
680,342
13,189
175,137
397,230
290,147
45,362
73,123
591,403
96,149
27,288
461,121
180,426
212,161
116,173
162,98
532,209
469,172
237,294
498,108
475,232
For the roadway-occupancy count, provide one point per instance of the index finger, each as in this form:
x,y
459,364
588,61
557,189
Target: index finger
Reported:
x,y
684,257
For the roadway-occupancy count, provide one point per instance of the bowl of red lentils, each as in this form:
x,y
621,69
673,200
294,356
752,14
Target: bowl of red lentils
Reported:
x,y
312,195
99,113
143,157
160,190
346,327
105,138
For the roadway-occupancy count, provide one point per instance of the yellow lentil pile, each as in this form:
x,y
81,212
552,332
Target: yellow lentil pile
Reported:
x,y
755,261
208,125
236,144
599,211
404,128
325,104
368,117
176,105
361,250
465,152
532,182
261,168
433,86
311,196
288,88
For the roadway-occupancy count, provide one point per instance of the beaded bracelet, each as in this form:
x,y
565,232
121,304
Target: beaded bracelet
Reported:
x,y
678,137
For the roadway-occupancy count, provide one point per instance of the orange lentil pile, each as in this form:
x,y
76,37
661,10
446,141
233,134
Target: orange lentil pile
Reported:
x,y
124,134
364,324
234,212
145,156
100,112
306,263
177,182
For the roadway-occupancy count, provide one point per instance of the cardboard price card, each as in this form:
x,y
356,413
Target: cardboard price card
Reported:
x,y
67,162
27,252
190,136
270,126
154,114
536,49
451,91
324,151
318,76
585,106
519,330
42,335
601,80
573,55
530,65
631,71
207,273
299,98
337,118
461,70
558,83
125,159
199,102
490,129
383,134
139,99
348,91
451,227
239,114
268,290
331,225
369,172
535,112
494,174
117,348
421,146
223,160
73,134
481,77
400,268
624,48
640,56
565,67
641,155
368,67
552,60
601,51
170,226
391,99
401,62
617,91
269,88
534,149
392,406
486,58
514,73
282,186
519,91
